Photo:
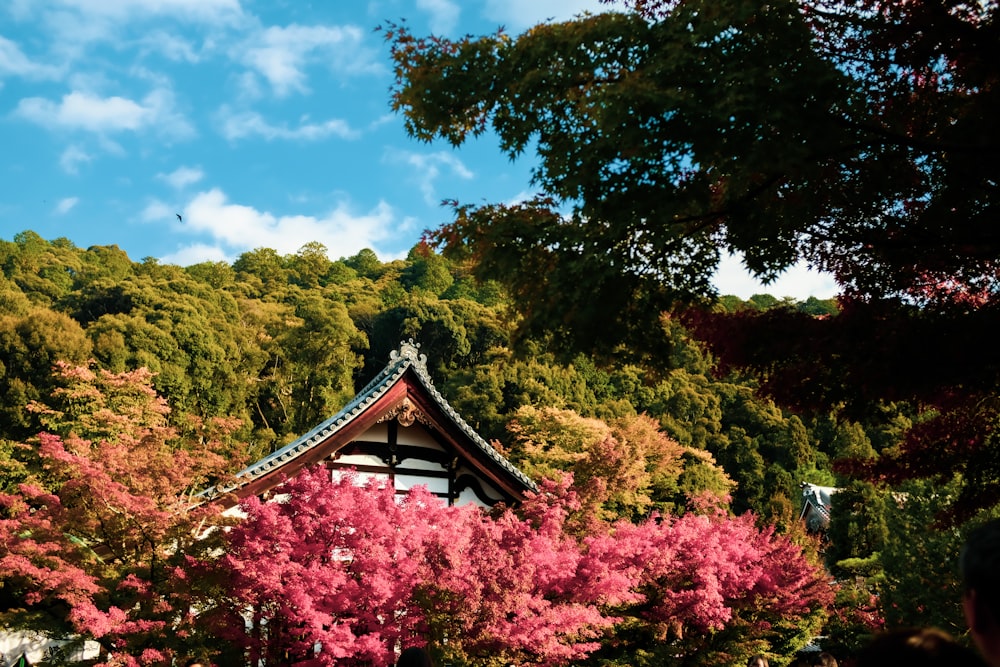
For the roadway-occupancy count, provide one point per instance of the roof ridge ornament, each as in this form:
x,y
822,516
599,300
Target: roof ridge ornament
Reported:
x,y
406,411
411,351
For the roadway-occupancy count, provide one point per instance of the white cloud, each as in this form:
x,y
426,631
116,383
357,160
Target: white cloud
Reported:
x,y
72,157
85,111
798,282
14,62
210,11
90,79
170,45
239,228
521,197
248,124
65,205
249,86
281,54
427,169
72,26
182,177
443,14
384,119
196,253
157,211
520,14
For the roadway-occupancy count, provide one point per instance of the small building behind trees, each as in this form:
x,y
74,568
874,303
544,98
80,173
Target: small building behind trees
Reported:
x,y
816,504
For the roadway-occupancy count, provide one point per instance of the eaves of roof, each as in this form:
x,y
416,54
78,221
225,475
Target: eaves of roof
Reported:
x,y
406,358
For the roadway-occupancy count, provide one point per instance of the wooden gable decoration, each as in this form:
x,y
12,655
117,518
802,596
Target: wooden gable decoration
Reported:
x,y
401,429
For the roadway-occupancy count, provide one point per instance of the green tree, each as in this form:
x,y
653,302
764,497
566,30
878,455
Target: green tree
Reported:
x,y
667,135
13,301
858,527
919,559
685,128
30,345
428,320
263,268
268,323
182,329
44,270
219,275
366,263
104,261
762,301
310,266
818,307
493,390
322,350
427,271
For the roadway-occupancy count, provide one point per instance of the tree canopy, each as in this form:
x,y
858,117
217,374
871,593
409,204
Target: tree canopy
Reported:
x,y
856,137
851,135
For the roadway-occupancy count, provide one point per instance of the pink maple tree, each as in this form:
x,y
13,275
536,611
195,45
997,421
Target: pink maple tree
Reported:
x,y
342,573
91,542
325,577
513,589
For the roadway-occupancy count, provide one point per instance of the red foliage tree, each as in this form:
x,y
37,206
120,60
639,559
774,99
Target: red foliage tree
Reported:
x,y
338,573
341,573
106,543
91,546
712,585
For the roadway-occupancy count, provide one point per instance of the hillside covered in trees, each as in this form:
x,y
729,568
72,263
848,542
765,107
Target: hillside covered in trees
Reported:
x,y
248,356
279,343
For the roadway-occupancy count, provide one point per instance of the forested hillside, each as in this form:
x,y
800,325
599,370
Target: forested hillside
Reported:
x,y
281,342
252,354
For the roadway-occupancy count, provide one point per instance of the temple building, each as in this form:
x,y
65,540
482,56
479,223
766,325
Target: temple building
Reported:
x,y
400,429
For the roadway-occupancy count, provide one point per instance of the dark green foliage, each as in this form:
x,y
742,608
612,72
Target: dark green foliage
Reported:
x,y
762,302
920,561
858,528
322,351
848,136
818,307
643,127
855,137
427,272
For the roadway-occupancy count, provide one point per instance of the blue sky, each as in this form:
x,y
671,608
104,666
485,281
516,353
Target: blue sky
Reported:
x,y
262,123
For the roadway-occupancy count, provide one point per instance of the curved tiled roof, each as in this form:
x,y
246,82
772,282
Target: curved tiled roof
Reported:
x,y
405,358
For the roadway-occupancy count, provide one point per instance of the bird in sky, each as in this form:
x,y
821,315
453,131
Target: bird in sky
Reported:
x,y
179,218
